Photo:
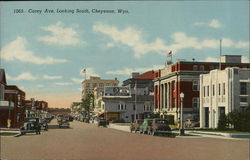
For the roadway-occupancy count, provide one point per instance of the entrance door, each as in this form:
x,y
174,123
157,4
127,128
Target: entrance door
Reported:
x,y
206,117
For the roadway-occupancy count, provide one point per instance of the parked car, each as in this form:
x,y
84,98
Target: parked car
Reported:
x,y
135,126
43,123
191,123
64,123
145,125
160,126
102,122
30,127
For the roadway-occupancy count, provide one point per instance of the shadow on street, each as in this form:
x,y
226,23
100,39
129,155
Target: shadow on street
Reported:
x,y
57,127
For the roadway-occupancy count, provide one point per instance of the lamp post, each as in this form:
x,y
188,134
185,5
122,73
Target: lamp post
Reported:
x,y
182,127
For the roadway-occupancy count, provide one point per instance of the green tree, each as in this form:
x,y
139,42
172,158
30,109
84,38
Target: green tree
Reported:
x,y
222,124
87,105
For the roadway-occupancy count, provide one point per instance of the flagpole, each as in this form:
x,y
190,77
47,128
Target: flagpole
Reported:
x,y
220,55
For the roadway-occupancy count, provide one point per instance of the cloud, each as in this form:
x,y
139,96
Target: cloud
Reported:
x,y
130,37
89,72
77,80
135,40
23,76
51,77
63,84
214,23
128,71
40,86
62,36
18,50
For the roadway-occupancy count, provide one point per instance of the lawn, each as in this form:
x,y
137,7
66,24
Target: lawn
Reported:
x,y
8,134
216,130
123,124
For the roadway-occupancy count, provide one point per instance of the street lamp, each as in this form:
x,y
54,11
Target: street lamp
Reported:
x,y
182,127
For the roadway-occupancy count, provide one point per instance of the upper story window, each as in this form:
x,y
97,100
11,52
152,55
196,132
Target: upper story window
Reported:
x,y
204,91
101,85
211,67
243,88
207,90
224,88
1,92
202,67
122,107
173,85
88,85
196,85
213,89
219,88
196,102
195,67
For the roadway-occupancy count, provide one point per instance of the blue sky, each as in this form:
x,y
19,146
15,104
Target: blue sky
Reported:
x,y
44,53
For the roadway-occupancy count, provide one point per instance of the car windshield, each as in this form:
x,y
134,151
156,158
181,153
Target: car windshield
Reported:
x,y
161,121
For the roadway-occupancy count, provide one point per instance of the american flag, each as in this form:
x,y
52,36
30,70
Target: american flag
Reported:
x,y
169,54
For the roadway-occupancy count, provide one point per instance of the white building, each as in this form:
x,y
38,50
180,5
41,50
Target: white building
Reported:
x,y
222,91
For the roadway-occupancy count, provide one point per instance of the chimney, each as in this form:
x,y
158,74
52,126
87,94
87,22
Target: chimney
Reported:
x,y
230,59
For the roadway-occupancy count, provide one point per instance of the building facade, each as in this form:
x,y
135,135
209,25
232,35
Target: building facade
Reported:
x,y
221,92
184,76
138,104
88,85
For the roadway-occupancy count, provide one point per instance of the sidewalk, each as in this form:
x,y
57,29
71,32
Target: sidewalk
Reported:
x,y
197,133
11,130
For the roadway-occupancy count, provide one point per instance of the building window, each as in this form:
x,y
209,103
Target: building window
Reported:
x,y
196,103
243,99
195,85
195,67
134,107
101,85
204,91
219,89
87,85
202,68
207,90
243,88
107,84
213,89
211,67
224,88
173,102
1,92
173,85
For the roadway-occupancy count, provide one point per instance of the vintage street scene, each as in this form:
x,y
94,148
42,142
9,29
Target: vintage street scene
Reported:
x,y
124,80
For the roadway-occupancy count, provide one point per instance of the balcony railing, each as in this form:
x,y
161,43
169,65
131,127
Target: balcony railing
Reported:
x,y
6,105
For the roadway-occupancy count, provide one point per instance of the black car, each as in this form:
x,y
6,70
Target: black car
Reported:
x,y
102,122
30,127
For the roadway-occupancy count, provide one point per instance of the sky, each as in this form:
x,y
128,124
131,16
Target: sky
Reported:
x,y
43,53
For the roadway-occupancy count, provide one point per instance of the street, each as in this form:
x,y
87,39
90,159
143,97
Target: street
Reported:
x,y
88,142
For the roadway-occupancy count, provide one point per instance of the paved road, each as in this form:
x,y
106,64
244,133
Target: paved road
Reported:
x,y
88,142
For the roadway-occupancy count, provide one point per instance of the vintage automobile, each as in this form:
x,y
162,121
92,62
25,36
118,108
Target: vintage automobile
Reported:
x,y
44,124
145,125
64,123
30,127
102,122
135,126
160,126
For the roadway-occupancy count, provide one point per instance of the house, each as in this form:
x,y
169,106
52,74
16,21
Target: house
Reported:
x,y
221,92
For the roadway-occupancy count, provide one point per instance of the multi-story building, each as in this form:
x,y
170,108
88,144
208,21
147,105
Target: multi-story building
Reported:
x,y
88,85
183,76
36,108
222,91
11,104
136,103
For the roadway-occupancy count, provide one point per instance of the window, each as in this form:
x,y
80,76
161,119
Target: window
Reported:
x,y
219,89
101,85
211,67
207,90
196,103
243,88
213,89
94,85
1,92
202,68
87,85
195,67
134,107
224,88
195,85
243,99
173,102
173,85
204,91
107,84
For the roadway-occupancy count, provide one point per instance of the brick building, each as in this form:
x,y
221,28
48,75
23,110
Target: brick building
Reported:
x,y
12,103
184,76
